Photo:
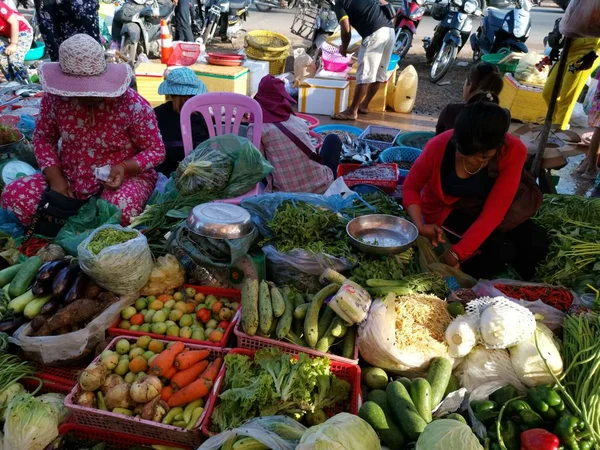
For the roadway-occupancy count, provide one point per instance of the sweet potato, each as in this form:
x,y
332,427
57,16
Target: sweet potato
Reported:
x,y
77,312
92,290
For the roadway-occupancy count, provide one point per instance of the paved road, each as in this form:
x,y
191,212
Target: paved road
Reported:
x,y
280,21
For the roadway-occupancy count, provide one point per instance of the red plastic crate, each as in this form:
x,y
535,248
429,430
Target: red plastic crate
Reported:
x,y
110,421
61,375
47,386
386,185
255,342
119,440
233,294
348,372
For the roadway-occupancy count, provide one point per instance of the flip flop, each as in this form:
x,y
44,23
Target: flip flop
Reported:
x,y
363,112
342,116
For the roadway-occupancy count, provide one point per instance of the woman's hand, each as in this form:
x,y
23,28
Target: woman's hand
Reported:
x,y
57,182
432,232
449,259
116,177
11,49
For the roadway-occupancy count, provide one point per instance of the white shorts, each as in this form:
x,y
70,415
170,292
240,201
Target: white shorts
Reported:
x,y
374,56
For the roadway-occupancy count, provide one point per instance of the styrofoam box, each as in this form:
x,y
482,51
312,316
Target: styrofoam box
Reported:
x,y
258,70
322,96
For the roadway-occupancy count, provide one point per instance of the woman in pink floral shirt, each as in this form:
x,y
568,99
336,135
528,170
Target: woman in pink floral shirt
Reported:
x,y
99,121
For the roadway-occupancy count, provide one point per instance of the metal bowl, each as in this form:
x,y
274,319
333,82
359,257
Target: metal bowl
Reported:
x,y
381,234
220,221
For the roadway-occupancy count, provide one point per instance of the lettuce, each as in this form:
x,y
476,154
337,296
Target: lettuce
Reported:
x,y
341,432
448,434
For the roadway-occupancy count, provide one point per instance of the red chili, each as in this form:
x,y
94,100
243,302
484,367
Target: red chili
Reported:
x,y
539,439
559,298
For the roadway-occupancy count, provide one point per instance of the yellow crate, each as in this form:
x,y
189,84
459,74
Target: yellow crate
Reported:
x,y
148,77
379,102
525,103
222,78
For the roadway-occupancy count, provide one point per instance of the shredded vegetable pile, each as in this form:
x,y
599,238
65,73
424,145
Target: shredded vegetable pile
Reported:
x,y
108,237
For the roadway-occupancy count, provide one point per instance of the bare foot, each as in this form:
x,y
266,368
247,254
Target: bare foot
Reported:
x,y
590,174
363,111
583,166
344,115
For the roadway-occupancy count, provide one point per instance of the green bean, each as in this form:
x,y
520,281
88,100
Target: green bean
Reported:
x,y
12,369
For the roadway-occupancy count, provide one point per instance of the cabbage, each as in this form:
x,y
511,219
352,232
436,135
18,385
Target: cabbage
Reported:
x,y
205,168
448,434
57,403
527,362
341,432
6,395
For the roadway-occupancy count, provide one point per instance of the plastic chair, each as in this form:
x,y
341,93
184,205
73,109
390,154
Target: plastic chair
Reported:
x,y
223,113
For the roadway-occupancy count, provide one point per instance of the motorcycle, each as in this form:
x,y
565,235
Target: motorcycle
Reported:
x,y
141,34
408,17
268,5
503,29
237,13
450,35
326,24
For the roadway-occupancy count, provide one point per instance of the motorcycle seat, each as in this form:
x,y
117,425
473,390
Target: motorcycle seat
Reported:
x,y
496,17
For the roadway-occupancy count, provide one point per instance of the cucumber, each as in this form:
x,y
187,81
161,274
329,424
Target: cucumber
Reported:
x,y
7,275
348,348
375,282
311,321
453,385
265,309
228,444
456,416
420,393
298,298
25,276
18,304
277,303
249,443
438,375
285,321
404,410
34,307
325,320
326,341
294,339
250,305
405,382
378,396
387,430
338,327
300,311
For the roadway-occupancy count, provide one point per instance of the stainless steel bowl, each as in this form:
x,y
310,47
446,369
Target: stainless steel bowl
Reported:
x,y
220,221
381,234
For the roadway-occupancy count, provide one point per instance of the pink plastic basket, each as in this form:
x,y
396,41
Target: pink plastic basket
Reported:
x,y
233,294
184,54
255,342
107,420
333,61
386,185
348,372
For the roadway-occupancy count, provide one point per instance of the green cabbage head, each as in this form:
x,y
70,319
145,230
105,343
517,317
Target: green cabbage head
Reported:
x,y
341,432
448,434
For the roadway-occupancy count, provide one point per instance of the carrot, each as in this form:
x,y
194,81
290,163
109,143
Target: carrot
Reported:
x,y
165,393
189,375
188,359
165,359
170,373
211,372
198,389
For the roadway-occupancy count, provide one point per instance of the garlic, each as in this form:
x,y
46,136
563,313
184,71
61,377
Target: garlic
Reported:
x,y
461,336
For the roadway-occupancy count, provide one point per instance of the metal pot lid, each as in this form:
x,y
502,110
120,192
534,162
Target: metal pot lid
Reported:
x,y
220,221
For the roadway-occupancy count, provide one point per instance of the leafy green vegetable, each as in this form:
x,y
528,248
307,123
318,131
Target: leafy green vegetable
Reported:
x,y
448,434
108,237
205,168
341,432
392,267
6,395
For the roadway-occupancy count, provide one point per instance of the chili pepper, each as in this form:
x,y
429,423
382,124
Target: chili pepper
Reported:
x,y
510,435
521,413
504,394
485,411
559,298
539,439
567,429
546,401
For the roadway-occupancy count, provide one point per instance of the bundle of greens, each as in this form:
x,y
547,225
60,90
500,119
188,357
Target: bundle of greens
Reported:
x,y
107,237
206,168
375,203
300,225
418,283
574,253
276,383
392,267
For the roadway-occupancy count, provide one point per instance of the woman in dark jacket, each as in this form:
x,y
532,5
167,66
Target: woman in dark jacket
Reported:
x,y
483,80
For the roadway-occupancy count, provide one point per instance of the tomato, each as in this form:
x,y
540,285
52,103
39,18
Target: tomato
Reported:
x,y
223,324
203,315
137,319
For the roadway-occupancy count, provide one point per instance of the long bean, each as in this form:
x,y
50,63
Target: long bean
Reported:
x,y
12,369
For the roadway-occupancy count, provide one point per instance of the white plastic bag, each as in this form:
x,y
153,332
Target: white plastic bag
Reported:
x,y
122,269
527,71
582,19
260,430
71,346
304,65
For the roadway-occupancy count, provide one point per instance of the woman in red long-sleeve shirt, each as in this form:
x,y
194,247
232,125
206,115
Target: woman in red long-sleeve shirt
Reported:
x,y
477,161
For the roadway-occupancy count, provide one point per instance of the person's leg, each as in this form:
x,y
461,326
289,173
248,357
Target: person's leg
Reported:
x,y
223,24
372,90
132,196
46,23
22,197
4,62
183,21
331,151
382,71
531,244
18,59
589,166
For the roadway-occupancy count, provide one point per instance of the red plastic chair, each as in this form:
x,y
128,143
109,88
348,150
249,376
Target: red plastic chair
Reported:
x,y
223,113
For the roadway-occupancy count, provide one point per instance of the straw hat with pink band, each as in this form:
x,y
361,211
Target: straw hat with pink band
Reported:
x,y
82,71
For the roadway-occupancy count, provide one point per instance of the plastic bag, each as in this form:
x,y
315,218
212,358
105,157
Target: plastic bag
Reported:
x,y
527,71
10,224
429,262
95,213
582,19
26,125
590,96
206,167
167,274
481,392
553,318
122,269
304,65
263,429
70,347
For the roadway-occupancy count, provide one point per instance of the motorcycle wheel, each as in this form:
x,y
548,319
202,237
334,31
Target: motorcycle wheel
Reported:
x,y
403,42
209,32
443,61
129,51
263,8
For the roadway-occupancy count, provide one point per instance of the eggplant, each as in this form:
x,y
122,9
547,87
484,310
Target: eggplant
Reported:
x,y
41,288
50,269
50,308
64,279
78,288
10,326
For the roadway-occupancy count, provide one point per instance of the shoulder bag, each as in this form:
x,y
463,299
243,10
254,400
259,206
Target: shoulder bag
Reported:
x,y
298,142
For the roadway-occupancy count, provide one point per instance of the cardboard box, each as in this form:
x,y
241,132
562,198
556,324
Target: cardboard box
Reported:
x,y
321,96
525,103
148,77
379,102
223,78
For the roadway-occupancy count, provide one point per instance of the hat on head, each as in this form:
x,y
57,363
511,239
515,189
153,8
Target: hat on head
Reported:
x,y
82,71
182,81
274,100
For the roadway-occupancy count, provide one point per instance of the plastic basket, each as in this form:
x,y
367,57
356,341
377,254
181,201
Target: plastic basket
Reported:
x,y
379,145
394,60
414,139
385,185
399,155
495,58
233,294
277,67
107,420
256,342
184,54
312,121
324,129
66,376
333,61
348,372
267,42
118,440
47,386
